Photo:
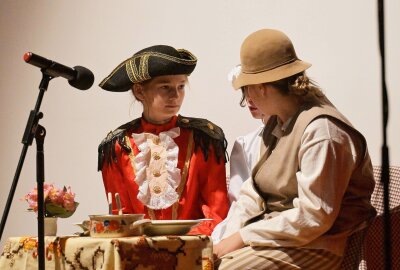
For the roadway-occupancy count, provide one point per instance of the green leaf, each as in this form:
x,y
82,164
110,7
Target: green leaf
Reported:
x,y
54,210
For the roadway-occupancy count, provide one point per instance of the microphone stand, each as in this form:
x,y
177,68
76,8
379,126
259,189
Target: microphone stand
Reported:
x,y
40,134
385,150
33,130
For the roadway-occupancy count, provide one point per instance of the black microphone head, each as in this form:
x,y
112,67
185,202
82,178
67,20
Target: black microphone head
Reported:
x,y
84,78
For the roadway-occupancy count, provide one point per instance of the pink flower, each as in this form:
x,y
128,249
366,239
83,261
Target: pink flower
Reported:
x,y
58,202
56,196
31,198
48,189
33,204
69,200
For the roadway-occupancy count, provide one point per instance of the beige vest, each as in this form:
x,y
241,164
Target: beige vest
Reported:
x,y
274,175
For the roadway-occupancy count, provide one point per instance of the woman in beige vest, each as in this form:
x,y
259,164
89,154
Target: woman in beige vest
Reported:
x,y
314,177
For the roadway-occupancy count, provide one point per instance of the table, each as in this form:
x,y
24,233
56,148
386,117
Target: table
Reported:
x,y
140,252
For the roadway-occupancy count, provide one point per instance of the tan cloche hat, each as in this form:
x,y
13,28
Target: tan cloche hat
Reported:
x,y
267,55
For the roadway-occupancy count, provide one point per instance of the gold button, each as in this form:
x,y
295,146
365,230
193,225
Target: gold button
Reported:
x,y
157,189
156,140
210,126
156,156
185,120
156,174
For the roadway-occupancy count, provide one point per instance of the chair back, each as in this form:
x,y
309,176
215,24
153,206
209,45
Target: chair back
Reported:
x,y
365,247
374,246
394,189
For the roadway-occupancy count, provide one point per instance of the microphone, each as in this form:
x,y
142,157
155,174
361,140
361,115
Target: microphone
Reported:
x,y
78,77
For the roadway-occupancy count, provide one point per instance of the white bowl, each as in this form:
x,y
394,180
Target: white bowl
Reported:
x,y
169,227
116,225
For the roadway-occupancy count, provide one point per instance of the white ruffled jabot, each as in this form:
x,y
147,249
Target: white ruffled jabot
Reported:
x,y
156,169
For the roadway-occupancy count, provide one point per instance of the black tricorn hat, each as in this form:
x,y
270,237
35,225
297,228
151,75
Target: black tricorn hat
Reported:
x,y
148,63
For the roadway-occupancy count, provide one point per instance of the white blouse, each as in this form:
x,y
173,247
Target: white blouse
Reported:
x,y
244,156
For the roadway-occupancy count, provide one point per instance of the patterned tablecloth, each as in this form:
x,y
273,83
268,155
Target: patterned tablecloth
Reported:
x,y
142,252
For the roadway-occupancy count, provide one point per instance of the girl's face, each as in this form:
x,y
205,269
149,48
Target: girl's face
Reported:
x,y
271,101
254,97
255,112
161,97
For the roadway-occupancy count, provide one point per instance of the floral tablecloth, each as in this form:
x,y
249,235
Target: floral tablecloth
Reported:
x,y
142,252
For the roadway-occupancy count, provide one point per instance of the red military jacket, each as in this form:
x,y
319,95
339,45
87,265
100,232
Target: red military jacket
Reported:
x,y
197,185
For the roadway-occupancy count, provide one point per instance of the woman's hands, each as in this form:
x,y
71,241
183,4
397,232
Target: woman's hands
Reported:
x,y
229,244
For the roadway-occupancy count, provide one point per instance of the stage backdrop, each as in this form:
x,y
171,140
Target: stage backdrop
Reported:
x,y
340,39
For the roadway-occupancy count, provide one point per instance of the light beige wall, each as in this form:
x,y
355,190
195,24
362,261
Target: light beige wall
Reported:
x,y
338,37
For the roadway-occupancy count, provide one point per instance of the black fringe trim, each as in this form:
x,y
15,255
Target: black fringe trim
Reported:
x,y
106,149
202,140
206,133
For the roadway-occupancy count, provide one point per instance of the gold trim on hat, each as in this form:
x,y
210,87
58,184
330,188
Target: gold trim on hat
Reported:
x,y
144,67
130,71
140,73
192,61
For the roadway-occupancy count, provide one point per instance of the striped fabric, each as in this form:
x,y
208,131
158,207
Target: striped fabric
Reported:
x,y
260,258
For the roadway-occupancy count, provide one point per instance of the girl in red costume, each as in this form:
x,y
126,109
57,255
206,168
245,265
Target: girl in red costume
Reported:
x,y
162,164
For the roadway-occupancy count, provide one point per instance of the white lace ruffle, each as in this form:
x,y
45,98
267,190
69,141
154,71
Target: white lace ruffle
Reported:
x,y
156,169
